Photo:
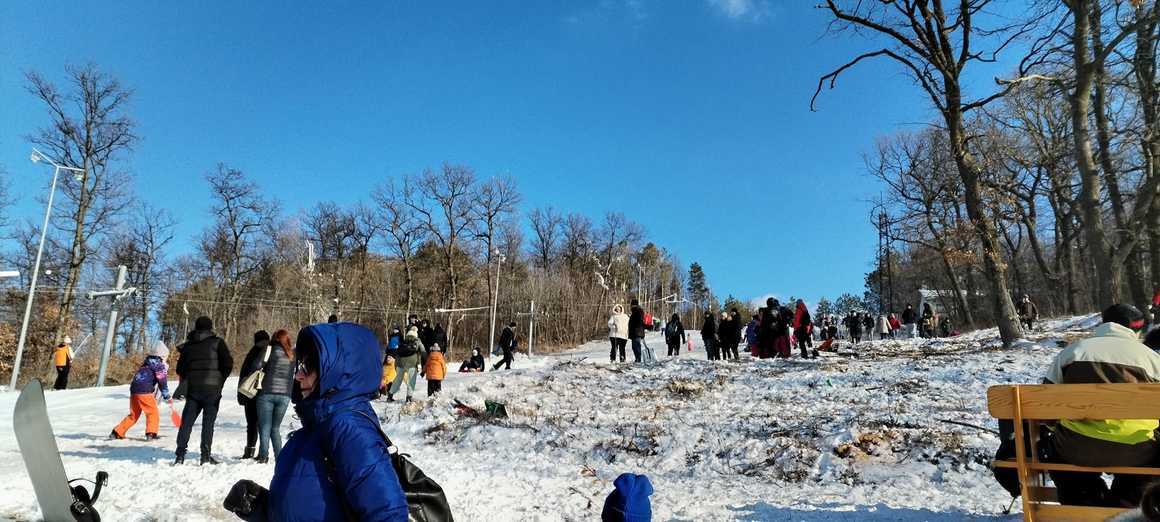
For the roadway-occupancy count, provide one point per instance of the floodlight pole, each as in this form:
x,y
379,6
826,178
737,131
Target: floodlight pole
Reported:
x,y
36,157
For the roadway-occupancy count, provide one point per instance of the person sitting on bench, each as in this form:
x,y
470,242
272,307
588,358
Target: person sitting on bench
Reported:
x,y
1113,354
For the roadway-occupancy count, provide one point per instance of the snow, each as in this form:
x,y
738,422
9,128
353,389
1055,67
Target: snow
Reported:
x,y
834,438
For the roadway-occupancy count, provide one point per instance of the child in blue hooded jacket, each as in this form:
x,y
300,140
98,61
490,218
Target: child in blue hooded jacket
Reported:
x,y
337,464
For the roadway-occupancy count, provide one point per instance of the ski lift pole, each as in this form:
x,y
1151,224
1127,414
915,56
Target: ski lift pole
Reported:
x,y
531,326
117,293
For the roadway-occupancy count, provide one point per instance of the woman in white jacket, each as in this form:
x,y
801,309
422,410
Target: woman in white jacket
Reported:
x,y
618,332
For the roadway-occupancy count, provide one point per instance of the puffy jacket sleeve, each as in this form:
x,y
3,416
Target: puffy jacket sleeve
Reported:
x,y
161,375
363,469
225,360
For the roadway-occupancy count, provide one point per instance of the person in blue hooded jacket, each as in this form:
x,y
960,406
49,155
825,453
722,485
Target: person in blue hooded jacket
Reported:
x,y
337,466
629,501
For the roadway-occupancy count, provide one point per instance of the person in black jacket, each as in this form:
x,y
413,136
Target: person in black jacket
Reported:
x,y
274,397
767,329
250,364
427,335
724,335
674,335
908,320
440,336
735,333
473,365
709,337
507,343
636,328
205,364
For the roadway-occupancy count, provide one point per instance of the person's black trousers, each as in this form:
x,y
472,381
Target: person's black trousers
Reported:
x,y
61,377
507,360
433,387
674,349
251,407
195,405
617,344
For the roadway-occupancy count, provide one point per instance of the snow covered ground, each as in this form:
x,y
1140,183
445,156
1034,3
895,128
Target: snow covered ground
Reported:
x,y
840,437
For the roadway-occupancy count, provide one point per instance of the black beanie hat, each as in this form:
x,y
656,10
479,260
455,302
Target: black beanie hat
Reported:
x,y
203,323
261,335
1124,315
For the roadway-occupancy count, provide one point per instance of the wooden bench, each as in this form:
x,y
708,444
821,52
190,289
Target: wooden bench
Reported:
x,y
1040,403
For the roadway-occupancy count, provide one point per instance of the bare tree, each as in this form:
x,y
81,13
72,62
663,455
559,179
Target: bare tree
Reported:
x,y
233,246
449,190
141,248
934,44
547,227
88,129
396,210
495,201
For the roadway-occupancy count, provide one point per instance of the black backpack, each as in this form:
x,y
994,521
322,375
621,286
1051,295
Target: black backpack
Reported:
x,y
671,330
407,347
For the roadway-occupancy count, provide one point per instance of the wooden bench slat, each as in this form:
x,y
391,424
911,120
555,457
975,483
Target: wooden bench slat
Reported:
x,y
1054,512
1050,466
1043,494
1077,401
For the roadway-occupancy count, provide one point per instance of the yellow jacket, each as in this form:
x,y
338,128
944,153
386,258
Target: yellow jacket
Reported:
x,y
62,355
388,374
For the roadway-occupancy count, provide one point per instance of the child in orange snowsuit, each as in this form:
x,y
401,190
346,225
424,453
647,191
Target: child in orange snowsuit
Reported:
x,y
435,369
153,373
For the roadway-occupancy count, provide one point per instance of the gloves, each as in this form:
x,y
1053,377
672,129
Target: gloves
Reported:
x,y
247,500
167,398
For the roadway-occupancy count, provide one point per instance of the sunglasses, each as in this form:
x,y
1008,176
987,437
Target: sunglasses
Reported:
x,y
301,367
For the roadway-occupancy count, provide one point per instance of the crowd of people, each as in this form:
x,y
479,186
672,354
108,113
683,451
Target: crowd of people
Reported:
x,y
775,330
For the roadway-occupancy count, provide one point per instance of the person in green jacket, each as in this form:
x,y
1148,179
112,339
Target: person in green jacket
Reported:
x,y
1113,354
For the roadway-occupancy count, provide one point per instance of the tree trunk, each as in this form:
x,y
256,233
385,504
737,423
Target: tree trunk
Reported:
x,y
996,270
1107,284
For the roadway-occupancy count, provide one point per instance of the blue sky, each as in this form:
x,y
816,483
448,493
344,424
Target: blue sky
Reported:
x,y
690,117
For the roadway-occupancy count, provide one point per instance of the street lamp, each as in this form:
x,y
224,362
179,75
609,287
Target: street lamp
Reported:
x,y
38,157
495,298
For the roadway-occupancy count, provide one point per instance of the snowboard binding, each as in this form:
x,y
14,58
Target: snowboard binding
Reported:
x,y
82,505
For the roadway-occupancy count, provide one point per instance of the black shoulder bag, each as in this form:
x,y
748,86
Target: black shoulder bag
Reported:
x,y
425,499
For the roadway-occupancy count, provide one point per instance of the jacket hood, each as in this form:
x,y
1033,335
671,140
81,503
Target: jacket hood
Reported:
x,y
350,367
629,501
617,309
1115,330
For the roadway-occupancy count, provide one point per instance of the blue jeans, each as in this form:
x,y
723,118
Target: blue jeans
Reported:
x,y
271,409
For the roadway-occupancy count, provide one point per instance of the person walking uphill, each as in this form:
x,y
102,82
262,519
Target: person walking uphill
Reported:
x,y
802,324
274,397
709,337
617,332
251,364
434,370
636,328
674,335
507,343
153,374
205,364
62,358
407,364
1028,312
338,465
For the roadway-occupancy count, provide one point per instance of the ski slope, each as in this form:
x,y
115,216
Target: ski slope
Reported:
x,y
835,438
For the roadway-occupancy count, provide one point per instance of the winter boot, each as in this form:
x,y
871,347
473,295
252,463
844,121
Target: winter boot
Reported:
x,y
151,436
409,398
261,460
179,460
206,458
390,397
113,435
248,453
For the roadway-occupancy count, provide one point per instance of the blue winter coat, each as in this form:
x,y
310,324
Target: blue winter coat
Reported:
x,y
339,422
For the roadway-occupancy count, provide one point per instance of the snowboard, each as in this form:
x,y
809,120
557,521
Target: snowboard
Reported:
x,y
42,458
